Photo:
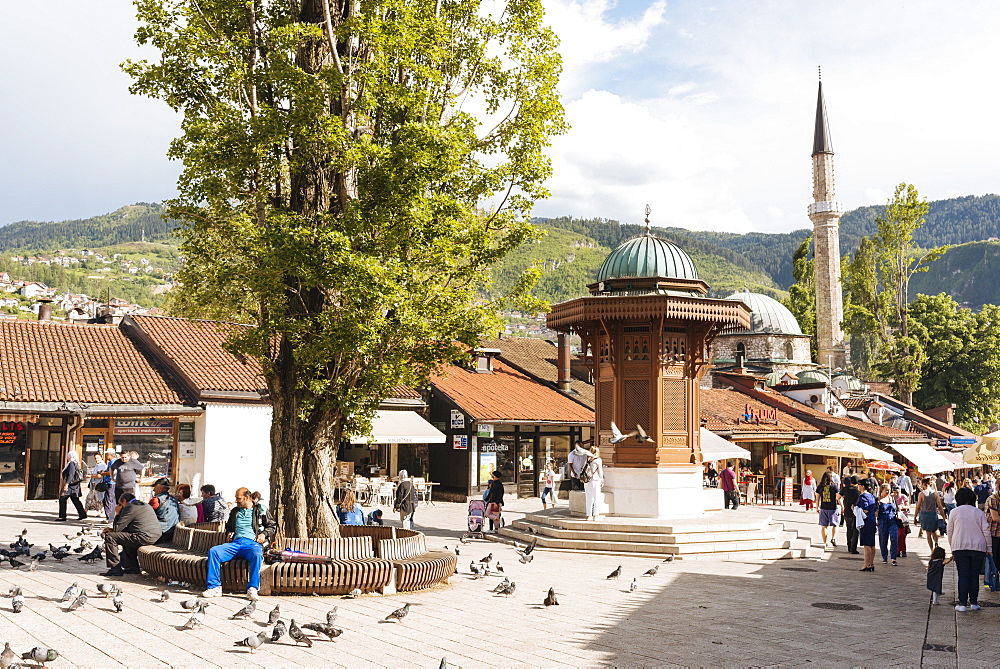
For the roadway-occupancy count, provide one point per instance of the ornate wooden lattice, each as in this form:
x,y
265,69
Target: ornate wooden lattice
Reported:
x,y
636,404
605,404
674,405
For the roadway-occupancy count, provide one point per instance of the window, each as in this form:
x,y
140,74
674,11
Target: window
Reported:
x,y
152,439
13,442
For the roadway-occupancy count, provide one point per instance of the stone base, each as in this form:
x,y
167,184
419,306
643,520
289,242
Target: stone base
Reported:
x,y
659,492
578,503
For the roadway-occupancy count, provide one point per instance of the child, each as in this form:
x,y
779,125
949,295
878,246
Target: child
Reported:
x,y
375,517
935,572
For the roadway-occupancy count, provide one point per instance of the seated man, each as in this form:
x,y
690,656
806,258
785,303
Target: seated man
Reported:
x,y
249,526
167,509
135,525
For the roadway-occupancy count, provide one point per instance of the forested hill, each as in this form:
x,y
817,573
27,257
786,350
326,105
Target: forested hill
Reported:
x,y
128,224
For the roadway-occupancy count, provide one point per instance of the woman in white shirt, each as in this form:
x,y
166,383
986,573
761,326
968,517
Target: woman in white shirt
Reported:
x,y
970,539
594,471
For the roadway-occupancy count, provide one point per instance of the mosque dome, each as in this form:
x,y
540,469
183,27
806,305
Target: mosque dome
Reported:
x,y
768,315
814,376
647,256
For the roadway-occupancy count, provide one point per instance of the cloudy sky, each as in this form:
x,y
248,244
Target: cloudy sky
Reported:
x,y
702,110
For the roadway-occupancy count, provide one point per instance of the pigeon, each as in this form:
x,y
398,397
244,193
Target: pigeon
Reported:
x,y
550,599
473,568
8,656
106,589
502,586
59,555
71,592
41,655
17,602
669,558
331,615
246,611
14,563
92,556
296,634
329,631
278,632
191,604
457,552
463,540
71,537
79,602
633,586
40,556
499,568
525,559
487,559
254,642
164,596
399,614
353,594
33,565
14,590
117,602
196,620
616,573
527,549
617,436
273,616
652,572
509,590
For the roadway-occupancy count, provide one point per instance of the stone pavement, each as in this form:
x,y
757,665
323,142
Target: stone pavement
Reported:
x,y
701,613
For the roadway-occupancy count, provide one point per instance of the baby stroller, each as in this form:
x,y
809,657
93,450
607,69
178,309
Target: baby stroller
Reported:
x,y
477,519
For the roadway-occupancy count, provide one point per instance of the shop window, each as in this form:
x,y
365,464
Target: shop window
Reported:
x,y
152,439
95,422
13,442
49,421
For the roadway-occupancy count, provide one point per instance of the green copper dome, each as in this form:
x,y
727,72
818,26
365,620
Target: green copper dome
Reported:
x,y
814,376
769,316
647,256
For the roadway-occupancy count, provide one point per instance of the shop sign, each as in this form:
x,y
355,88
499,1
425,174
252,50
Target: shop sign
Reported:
x,y
484,431
186,446
10,431
145,426
457,420
493,447
460,442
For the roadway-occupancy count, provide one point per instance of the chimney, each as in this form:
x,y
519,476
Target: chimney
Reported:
x,y
740,363
484,359
45,309
564,363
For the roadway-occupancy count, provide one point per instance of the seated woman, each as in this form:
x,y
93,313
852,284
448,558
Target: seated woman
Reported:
x,y
349,511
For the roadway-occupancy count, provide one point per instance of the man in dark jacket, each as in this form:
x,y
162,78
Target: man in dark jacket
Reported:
x,y
135,525
249,526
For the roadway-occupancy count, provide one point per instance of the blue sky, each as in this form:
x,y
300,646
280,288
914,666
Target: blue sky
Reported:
x,y
702,110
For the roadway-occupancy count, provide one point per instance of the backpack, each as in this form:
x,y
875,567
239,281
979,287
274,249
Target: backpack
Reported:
x,y
585,473
80,475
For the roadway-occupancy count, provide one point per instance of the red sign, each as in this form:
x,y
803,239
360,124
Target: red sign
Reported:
x,y
756,415
10,431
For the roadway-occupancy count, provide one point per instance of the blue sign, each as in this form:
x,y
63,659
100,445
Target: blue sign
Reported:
x,y
963,441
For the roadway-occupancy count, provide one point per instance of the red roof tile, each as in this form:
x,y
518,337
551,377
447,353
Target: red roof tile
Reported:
x,y
721,411
508,395
99,364
539,359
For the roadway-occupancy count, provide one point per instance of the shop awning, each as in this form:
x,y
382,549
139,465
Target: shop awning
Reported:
x,y
401,427
840,445
714,448
987,452
958,461
927,460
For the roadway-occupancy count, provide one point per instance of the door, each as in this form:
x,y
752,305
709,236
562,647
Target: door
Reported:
x,y
44,464
527,482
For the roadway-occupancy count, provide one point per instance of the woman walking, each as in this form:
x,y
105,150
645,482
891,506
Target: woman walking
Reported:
x,y
948,498
829,509
887,513
808,494
970,539
929,510
903,524
494,502
865,513
72,476
95,497
593,472
404,500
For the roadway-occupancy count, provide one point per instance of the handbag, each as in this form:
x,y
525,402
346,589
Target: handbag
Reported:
x,y
93,503
942,527
102,487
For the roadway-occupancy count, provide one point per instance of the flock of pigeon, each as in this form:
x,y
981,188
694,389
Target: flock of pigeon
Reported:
x,y
634,585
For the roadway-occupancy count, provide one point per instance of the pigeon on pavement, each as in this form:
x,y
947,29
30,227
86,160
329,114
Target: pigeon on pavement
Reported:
x,y
550,599
331,615
527,549
509,590
525,559
41,655
254,642
191,604
106,589
353,594
92,556
79,602
503,585
8,656
196,620
399,614
499,568
17,602
487,559
329,631
246,611
117,602
273,616
616,573
279,631
165,595
652,572
633,586
669,558
296,634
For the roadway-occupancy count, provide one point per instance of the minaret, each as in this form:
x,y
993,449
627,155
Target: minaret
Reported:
x,y
825,213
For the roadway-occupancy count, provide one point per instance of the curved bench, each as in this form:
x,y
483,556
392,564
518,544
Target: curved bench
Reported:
x,y
372,558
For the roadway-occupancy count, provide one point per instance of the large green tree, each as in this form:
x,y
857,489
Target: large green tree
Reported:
x,y
890,260
351,171
801,300
962,365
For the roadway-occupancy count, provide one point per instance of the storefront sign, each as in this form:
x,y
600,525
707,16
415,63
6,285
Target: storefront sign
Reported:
x,y
151,426
10,431
493,447
460,442
457,420
484,431
186,446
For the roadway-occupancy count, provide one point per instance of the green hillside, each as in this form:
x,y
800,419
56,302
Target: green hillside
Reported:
x,y
967,272
128,224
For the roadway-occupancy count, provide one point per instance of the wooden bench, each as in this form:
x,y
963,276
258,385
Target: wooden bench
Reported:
x,y
370,558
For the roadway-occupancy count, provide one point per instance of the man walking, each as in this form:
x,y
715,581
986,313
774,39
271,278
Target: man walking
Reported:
x,y
126,469
727,481
848,498
249,527
135,525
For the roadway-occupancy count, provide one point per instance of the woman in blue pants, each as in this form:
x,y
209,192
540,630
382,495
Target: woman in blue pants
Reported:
x,y
888,530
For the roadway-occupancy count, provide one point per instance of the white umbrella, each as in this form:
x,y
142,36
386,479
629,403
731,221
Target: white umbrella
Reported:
x,y
840,444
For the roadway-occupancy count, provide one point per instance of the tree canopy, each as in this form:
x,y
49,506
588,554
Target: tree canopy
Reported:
x,y
351,171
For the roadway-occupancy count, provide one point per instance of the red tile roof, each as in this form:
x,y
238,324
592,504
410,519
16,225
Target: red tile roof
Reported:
x,y
99,364
507,395
539,359
722,410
